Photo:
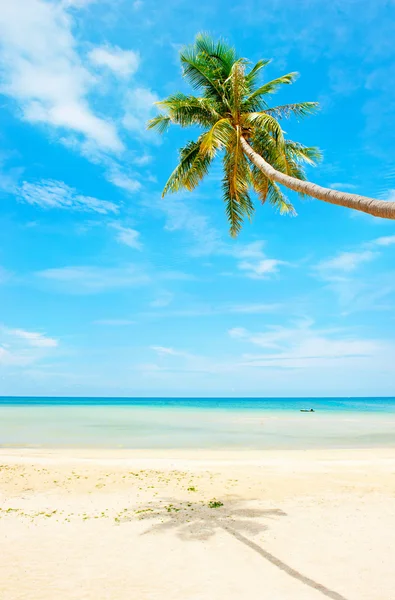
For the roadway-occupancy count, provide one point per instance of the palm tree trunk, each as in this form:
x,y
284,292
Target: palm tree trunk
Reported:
x,y
377,208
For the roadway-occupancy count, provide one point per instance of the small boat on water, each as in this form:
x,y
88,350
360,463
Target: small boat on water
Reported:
x,y
307,410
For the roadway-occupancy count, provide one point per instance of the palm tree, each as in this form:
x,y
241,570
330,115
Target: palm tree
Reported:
x,y
237,122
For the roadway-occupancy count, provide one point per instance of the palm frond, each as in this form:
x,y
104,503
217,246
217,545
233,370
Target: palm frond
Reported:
x,y
308,154
190,110
300,109
260,183
253,74
279,201
256,99
161,123
217,137
201,73
218,51
191,169
235,186
263,121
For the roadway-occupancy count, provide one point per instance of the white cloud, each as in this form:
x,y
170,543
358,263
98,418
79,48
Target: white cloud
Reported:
x,y
56,194
115,322
238,332
346,262
389,195
19,347
89,279
123,63
168,351
139,108
32,338
43,73
163,299
343,186
128,236
92,279
123,181
304,346
386,240
204,310
253,308
4,274
117,174
252,260
77,3
181,217
206,240
142,160
164,350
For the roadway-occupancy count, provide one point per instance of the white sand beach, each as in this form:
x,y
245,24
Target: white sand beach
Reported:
x,y
207,525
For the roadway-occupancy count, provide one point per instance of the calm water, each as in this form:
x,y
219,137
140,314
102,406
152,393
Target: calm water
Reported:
x,y
197,423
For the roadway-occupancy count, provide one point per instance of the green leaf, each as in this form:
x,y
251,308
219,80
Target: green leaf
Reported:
x,y
192,168
216,138
253,74
300,109
279,201
160,123
266,89
263,121
190,110
235,186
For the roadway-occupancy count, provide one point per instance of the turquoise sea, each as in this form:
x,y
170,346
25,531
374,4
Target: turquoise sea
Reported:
x,y
250,423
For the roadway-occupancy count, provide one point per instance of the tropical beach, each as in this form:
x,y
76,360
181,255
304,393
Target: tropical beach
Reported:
x,y
197,524
206,498
197,300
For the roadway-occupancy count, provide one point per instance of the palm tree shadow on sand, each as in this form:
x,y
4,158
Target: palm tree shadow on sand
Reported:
x,y
201,521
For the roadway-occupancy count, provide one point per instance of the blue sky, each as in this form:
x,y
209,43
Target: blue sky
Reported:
x,y
106,289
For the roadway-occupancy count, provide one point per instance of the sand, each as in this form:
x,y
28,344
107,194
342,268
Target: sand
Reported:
x,y
179,525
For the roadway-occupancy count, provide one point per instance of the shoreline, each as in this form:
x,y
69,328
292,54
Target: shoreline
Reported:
x,y
244,456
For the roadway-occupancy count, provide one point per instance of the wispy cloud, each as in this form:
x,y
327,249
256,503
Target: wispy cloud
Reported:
x,y
88,279
303,346
254,263
139,108
343,186
32,338
341,274
203,238
4,274
350,261
206,240
207,310
345,262
163,299
122,63
19,347
56,194
128,236
122,180
77,3
167,351
44,74
115,322
386,240
92,279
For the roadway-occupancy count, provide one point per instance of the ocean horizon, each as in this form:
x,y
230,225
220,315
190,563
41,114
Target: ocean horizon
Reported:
x,y
250,423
